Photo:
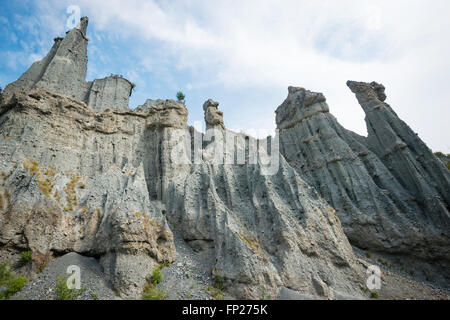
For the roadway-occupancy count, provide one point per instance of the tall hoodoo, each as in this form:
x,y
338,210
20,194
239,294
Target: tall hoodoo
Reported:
x,y
213,117
63,70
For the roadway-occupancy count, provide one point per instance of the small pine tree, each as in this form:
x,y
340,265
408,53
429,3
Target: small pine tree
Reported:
x,y
180,96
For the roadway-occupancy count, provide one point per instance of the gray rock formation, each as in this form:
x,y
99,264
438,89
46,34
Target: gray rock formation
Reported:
x,y
110,92
82,173
105,185
148,104
63,70
213,117
390,203
402,151
98,183
75,181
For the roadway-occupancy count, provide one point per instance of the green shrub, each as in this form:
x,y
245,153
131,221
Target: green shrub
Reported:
x,y
264,295
218,292
62,291
374,295
219,282
5,273
448,165
156,275
439,154
10,281
151,292
25,256
13,286
94,296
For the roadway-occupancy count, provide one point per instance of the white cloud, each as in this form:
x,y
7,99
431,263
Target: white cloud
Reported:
x,y
247,45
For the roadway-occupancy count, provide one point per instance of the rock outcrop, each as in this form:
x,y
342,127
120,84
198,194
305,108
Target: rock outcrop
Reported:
x,y
63,70
410,161
110,92
390,191
213,117
75,180
82,173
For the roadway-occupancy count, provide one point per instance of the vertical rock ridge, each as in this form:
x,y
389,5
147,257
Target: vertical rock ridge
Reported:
x,y
401,150
380,209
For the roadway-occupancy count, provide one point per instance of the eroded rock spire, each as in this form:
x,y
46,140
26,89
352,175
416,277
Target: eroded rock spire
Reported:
x,y
402,151
213,117
63,71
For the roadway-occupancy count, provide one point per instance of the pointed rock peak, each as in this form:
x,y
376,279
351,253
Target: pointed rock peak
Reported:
x,y
213,117
83,24
367,91
299,104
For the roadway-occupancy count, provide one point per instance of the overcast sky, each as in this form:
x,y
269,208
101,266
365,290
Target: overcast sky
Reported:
x,y
245,54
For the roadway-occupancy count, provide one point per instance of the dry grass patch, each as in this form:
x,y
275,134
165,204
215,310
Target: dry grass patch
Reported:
x,y
253,243
71,192
45,178
148,223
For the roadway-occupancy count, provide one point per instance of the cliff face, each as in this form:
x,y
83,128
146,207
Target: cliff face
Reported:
x,y
83,173
99,183
75,181
390,191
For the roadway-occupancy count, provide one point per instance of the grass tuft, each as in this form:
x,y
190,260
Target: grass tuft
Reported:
x,y
151,292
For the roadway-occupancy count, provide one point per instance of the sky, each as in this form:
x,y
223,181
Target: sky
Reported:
x,y
245,54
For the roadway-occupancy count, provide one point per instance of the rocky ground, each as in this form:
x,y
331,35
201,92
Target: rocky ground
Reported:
x,y
92,279
189,278
399,284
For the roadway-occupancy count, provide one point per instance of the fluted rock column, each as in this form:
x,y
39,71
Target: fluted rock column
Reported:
x,y
408,158
377,211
